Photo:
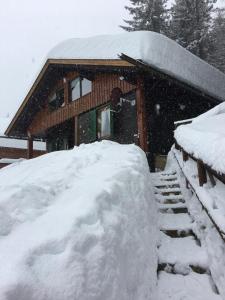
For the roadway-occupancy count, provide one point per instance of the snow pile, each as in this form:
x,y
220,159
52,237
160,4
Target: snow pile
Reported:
x,y
212,198
78,224
205,138
152,48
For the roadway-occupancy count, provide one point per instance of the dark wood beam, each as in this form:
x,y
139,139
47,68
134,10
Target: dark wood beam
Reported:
x,y
30,148
141,115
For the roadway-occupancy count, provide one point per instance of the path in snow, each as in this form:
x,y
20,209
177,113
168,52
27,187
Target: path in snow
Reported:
x,y
183,271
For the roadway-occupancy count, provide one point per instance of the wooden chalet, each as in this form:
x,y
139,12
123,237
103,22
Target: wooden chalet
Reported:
x,y
129,88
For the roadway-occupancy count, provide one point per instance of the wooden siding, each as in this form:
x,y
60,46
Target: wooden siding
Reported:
x,y
14,153
58,62
101,91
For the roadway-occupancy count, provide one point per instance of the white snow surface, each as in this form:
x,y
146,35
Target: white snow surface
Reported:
x,y
78,224
205,137
154,49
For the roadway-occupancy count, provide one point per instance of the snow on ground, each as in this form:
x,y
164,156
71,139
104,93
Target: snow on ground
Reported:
x,y
78,224
152,48
205,137
212,198
187,287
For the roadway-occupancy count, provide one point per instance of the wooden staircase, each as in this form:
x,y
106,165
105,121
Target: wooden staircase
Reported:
x,y
183,272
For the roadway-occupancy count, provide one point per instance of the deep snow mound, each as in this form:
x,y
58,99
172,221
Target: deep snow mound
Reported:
x,y
78,224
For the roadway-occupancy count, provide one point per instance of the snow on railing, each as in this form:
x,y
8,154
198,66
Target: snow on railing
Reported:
x,y
182,122
204,173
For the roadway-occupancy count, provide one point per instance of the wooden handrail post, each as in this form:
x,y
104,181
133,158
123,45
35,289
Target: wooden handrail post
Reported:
x,y
185,155
30,148
76,131
202,176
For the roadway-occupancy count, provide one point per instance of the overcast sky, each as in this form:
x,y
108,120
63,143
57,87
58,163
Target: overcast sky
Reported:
x,y
30,28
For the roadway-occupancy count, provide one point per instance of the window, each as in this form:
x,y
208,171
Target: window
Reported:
x,y
86,86
56,100
104,123
75,89
79,87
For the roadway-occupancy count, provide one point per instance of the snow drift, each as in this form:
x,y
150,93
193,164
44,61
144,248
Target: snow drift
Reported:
x,y
205,137
78,224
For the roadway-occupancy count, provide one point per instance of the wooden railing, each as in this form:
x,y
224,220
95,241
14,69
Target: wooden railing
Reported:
x,y
202,170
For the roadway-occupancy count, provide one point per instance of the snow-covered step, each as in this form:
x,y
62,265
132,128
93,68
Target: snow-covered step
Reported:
x,y
178,222
173,208
166,184
190,287
183,252
168,177
165,191
169,199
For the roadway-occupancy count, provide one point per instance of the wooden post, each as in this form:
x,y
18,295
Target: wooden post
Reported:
x,y
177,147
76,131
66,91
201,173
30,150
141,115
185,155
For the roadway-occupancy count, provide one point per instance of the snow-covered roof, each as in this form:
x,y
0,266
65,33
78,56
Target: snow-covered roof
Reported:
x,y
205,137
15,143
154,49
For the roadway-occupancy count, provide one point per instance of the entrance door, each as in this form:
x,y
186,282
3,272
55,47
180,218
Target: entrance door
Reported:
x,y
125,120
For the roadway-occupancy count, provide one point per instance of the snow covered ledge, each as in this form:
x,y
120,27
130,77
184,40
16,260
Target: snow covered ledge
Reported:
x,y
78,224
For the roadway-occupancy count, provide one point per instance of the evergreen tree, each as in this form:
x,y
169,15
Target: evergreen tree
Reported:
x,y
217,55
190,25
147,15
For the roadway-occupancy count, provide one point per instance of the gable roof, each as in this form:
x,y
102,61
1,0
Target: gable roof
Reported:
x,y
153,49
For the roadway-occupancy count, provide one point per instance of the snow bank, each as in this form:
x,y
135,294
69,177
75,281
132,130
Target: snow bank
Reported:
x,y
78,224
205,137
152,48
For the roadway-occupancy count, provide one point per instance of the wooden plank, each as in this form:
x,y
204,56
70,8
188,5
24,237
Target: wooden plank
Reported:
x,y
92,62
76,131
184,155
141,115
202,176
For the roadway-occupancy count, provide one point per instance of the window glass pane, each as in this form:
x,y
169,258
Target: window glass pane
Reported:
x,y
104,120
75,89
60,97
56,100
86,86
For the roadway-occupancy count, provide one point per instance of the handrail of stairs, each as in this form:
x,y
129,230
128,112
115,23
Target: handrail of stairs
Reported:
x,y
201,182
